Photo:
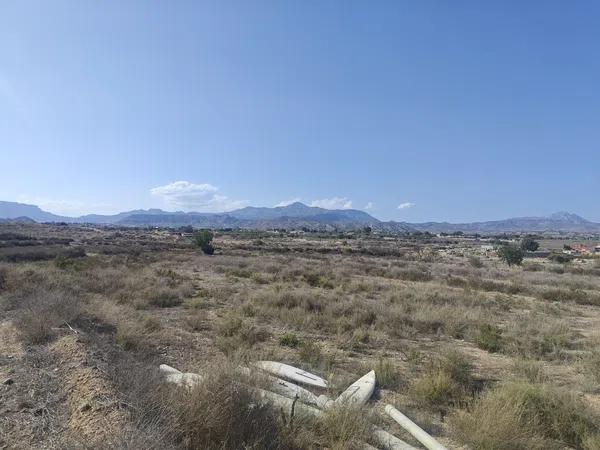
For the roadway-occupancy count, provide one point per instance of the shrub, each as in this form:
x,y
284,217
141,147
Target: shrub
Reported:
x,y
289,340
221,413
342,427
446,381
387,374
533,267
489,338
311,354
129,336
529,370
259,278
511,254
3,277
561,258
528,244
316,279
196,321
203,240
40,312
236,334
578,296
230,325
456,281
436,388
151,323
538,337
526,416
165,297
556,269
413,275
591,364
476,262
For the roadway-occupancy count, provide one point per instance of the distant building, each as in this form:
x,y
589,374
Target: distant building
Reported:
x,y
579,249
597,249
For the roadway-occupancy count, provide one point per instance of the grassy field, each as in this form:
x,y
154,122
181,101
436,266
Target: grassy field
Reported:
x,y
481,355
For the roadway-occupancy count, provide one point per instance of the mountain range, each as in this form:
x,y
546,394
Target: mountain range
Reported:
x,y
296,216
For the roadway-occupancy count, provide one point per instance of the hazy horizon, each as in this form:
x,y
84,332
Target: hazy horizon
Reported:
x,y
411,112
296,201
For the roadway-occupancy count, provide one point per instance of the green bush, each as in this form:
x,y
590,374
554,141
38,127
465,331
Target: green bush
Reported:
x,y
528,244
511,254
489,338
203,240
289,340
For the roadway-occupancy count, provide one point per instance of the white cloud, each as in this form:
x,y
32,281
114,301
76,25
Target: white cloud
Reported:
x,y
369,205
195,197
406,205
287,202
333,203
71,208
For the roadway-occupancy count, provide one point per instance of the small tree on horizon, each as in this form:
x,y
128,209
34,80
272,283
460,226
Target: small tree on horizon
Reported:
x,y
203,239
511,254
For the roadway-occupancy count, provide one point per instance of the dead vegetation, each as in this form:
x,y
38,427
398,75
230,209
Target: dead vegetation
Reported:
x,y
477,353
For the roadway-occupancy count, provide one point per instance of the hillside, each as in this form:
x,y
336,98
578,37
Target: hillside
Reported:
x,y
298,215
560,221
14,210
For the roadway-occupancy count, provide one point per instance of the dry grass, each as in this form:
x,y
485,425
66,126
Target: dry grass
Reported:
x,y
43,311
335,306
447,380
223,414
527,416
342,428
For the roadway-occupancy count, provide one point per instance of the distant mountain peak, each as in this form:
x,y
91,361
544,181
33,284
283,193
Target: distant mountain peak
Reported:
x,y
296,205
565,216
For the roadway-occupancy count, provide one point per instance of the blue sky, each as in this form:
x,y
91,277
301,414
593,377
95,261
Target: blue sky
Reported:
x,y
422,110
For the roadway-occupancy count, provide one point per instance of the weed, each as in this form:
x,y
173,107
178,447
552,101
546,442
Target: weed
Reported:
x,y
446,381
289,340
387,374
489,338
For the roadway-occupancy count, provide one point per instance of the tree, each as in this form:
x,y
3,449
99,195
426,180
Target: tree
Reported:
x,y
511,254
203,239
528,244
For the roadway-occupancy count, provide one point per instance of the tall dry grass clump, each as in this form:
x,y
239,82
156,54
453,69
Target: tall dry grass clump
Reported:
x,y
522,415
40,313
446,381
221,413
341,428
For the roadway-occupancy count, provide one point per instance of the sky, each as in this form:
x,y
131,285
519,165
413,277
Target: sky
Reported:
x,y
413,111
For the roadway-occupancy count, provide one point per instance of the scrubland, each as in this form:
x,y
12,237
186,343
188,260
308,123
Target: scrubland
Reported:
x,y
481,355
